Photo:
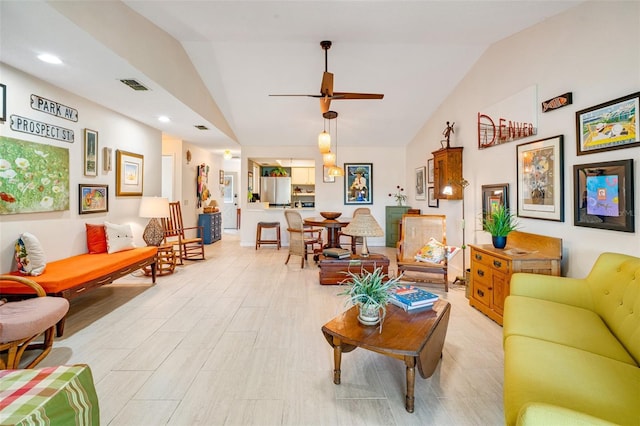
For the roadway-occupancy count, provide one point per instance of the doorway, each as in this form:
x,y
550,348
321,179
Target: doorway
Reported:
x,y
230,202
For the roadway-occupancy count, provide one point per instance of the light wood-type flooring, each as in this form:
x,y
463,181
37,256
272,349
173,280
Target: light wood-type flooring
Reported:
x,y
236,340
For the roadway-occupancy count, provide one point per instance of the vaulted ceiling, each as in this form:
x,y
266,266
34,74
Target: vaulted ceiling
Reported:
x,y
215,62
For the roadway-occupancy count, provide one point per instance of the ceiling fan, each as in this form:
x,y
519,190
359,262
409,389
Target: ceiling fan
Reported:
x,y
326,88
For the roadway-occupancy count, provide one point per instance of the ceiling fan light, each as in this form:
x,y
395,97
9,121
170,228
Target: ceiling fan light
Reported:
x,y
335,171
324,142
329,159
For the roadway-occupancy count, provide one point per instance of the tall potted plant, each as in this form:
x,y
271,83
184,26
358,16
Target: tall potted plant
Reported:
x,y
370,291
499,223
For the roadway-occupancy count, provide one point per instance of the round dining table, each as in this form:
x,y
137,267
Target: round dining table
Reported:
x,y
333,227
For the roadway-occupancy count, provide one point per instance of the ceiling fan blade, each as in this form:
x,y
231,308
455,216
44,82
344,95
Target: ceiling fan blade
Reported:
x,y
325,103
327,84
307,96
348,95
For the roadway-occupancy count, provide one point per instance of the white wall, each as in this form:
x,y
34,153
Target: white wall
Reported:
x,y
592,51
62,233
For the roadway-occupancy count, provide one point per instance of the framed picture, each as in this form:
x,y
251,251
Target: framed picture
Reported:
x,y
129,173
430,171
433,201
93,198
358,183
540,179
3,102
221,177
494,196
90,152
603,195
611,125
250,181
325,175
421,184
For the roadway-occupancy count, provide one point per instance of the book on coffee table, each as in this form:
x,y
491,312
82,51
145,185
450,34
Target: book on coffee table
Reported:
x,y
413,296
338,253
409,308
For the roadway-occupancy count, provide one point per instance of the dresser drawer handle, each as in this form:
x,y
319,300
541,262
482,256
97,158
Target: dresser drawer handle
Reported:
x,y
480,293
478,256
480,273
497,263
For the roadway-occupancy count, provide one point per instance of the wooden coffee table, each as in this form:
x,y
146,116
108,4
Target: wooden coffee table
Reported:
x,y
417,338
334,271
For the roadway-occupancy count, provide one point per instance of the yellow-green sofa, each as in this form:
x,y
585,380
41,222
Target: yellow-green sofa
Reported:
x,y
572,346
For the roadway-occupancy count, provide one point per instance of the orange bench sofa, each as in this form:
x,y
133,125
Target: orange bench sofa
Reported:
x,y
73,276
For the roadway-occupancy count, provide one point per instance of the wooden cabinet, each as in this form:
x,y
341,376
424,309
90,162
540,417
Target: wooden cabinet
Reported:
x,y
447,168
393,216
211,227
491,268
303,176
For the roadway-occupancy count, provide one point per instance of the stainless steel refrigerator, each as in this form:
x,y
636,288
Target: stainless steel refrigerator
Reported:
x,y
275,190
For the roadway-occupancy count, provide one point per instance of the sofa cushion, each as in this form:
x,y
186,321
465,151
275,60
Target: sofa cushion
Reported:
x,y
30,256
119,237
549,373
96,238
568,325
30,317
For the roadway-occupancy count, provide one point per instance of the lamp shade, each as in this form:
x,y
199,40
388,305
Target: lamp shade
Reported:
x,y
363,225
152,207
227,154
324,142
329,159
213,203
335,171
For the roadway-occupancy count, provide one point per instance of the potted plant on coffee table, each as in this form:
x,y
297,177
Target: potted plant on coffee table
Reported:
x,y
370,291
499,223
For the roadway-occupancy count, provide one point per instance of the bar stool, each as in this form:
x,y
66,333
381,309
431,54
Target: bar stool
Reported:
x,y
267,225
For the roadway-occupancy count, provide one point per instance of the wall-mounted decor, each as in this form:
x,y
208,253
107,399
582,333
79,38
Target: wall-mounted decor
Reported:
x,y
325,175
90,152
250,182
603,195
557,102
34,177
129,174
93,198
358,183
432,200
494,196
540,171
202,182
38,128
421,184
106,159
430,171
221,177
611,125
3,102
54,108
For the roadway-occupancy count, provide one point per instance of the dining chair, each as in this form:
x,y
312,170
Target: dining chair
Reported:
x,y
300,237
189,247
424,234
353,241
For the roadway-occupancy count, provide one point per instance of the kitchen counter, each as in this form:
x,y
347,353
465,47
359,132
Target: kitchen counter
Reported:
x,y
258,212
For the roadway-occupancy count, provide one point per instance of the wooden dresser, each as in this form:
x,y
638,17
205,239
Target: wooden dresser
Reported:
x,y
491,268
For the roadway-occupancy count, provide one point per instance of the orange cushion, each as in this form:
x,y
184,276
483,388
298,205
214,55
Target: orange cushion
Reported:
x,y
96,239
75,270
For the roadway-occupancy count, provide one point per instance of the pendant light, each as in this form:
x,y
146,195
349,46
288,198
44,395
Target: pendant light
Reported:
x,y
324,140
334,170
227,154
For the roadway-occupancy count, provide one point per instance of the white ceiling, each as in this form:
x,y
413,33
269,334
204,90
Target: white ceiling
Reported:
x,y
415,52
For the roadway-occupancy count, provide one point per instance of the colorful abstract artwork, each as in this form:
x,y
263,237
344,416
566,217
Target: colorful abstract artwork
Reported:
x,y
34,177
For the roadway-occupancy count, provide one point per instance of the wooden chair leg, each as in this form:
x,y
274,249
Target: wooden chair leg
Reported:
x,y
287,261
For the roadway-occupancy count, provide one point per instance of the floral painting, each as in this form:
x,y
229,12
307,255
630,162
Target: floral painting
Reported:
x,y
33,177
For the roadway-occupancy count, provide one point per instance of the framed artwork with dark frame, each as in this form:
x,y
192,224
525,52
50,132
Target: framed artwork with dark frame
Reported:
x,y
430,177
421,184
129,174
221,177
325,175
3,102
603,195
540,171
358,183
93,198
610,125
494,196
90,152
433,201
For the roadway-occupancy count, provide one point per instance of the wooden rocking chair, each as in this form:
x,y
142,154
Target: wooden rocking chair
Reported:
x,y
417,230
189,248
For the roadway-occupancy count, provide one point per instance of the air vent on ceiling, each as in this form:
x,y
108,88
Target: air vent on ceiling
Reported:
x,y
201,127
134,84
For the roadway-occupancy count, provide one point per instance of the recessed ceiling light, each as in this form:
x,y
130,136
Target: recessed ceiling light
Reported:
x,y
164,119
50,59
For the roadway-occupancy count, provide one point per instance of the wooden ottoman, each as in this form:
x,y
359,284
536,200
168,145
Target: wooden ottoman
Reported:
x,y
334,271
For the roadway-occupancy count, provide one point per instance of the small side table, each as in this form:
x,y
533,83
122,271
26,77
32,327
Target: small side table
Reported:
x,y
165,261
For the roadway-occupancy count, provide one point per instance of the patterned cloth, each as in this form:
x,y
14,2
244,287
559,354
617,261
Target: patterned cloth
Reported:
x,y
63,395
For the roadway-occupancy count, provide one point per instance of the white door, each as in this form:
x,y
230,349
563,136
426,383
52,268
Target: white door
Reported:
x,y
230,205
